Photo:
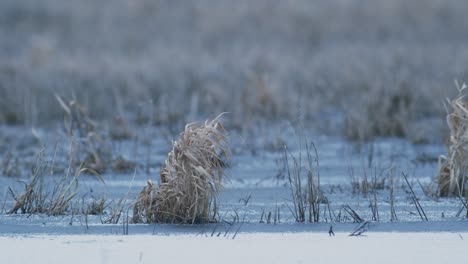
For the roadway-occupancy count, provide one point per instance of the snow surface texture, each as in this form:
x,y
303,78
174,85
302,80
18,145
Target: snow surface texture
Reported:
x,y
247,248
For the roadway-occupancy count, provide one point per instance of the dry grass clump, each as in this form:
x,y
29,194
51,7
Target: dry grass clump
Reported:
x,y
10,165
46,196
190,178
121,165
77,117
383,112
372,179
80,127
304,183
120,129
453,171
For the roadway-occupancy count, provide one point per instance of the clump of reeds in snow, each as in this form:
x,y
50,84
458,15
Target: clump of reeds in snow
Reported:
x,y
382,112
78,123
190,178
454,168
304,183
41,196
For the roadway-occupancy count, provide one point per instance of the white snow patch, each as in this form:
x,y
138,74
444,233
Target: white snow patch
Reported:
x,y
379,247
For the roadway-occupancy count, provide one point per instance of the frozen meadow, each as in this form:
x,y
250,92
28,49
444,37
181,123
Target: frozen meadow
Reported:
x,y
335,116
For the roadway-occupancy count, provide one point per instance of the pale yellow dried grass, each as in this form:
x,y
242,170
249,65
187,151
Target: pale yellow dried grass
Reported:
x,y
453,168
189,180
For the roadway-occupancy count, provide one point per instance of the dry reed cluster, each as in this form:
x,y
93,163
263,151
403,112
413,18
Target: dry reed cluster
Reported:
x,y
189,179
41,196
306,195
454,167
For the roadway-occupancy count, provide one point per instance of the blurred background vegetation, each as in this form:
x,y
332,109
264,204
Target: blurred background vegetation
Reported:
x,y
358,68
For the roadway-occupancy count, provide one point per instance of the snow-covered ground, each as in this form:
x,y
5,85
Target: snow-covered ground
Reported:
x,y
303,247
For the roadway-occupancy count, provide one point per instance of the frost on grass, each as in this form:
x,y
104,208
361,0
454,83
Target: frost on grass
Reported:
x,y
189,179
364,74
454,169
41,196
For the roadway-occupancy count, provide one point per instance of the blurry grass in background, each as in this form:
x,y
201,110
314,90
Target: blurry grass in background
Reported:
x,y
357,68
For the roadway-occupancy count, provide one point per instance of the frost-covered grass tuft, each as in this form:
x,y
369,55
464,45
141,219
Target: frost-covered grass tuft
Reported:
x,y
46,194
454,170
189,180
